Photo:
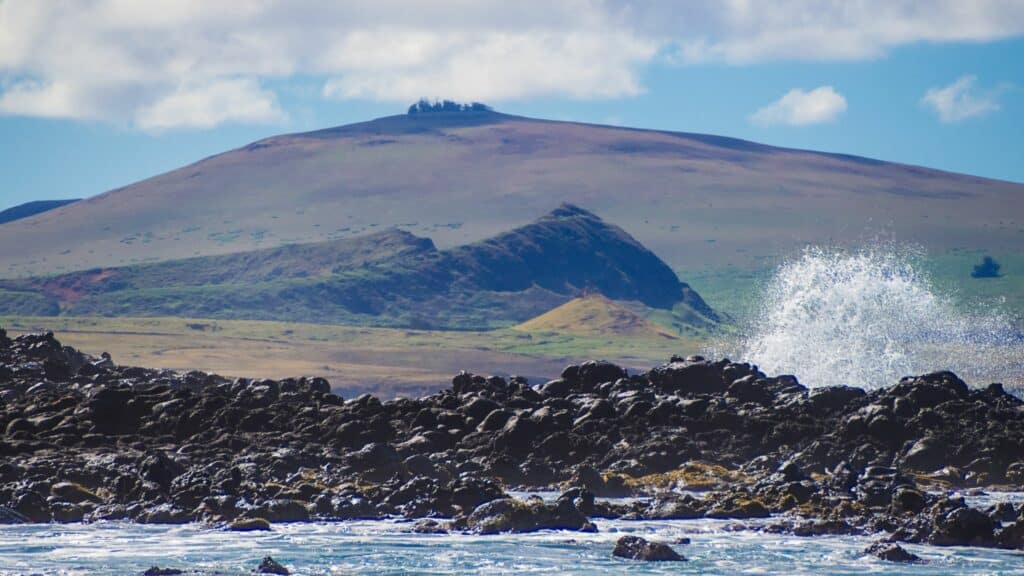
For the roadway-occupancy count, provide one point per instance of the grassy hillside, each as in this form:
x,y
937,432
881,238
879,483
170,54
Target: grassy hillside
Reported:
x,y
457,178
390,278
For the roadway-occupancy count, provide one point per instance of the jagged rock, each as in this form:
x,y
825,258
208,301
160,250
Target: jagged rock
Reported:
x,y
11,516
963,526
271,566
637,548
892,553
158,571
674,507
75,493
1011,535
101,441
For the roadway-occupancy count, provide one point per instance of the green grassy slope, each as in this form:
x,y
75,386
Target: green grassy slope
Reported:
x,y
386,279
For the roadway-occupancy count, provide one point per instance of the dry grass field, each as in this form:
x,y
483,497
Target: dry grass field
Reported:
x,y
381,360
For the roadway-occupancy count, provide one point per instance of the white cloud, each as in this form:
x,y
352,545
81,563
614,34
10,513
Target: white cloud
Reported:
x,y
749,31
799,108
205,106
28,98
162,63
960,100
488,66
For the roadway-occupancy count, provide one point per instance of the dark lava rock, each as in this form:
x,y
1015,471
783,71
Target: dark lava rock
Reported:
x,y
429,526
512,515
636,548
10,516
158,571
86,440
249,525
963,527
892,553
691,376
271,566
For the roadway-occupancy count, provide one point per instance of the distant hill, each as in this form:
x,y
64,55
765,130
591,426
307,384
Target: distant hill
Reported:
x,y
459,177
389,278
31,209
595,315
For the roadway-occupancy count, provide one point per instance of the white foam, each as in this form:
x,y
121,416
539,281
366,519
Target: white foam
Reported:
x,y
870,317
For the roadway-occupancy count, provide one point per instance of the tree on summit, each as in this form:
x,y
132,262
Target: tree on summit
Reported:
x,y
425,106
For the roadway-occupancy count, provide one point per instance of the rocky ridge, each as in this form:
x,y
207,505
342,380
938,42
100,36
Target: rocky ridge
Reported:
x,y
84,439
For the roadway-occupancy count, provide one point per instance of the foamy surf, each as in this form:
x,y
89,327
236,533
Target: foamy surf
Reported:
x,y
388,547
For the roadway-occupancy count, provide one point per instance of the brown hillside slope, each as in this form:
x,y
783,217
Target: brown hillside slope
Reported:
x,y
459,177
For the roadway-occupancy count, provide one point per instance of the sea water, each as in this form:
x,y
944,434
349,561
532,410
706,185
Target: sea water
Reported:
x,y
388,547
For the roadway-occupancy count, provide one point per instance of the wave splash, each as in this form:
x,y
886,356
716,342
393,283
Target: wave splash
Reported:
x,y
870,317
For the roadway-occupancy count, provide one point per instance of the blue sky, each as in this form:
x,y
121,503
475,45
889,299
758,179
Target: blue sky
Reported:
x,y
98,94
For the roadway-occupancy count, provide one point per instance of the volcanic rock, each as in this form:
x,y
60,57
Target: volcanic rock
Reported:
x,y
637,548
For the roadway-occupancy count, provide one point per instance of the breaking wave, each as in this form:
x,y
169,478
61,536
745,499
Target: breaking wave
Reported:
x,y
870,317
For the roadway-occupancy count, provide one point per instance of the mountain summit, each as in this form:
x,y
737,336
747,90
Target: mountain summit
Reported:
x,y
457,177
571,250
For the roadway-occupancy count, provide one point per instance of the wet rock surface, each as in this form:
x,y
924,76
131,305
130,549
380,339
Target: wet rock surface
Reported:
x,y
85,439
271,566
892,553
637,548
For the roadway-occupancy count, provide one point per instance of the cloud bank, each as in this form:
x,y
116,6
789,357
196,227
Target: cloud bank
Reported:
x,y
162,64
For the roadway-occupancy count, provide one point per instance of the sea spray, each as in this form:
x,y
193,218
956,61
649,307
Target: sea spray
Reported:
x,y
868,318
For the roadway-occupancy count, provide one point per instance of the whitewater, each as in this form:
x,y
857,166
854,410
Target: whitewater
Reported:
x,y
867,318
389,547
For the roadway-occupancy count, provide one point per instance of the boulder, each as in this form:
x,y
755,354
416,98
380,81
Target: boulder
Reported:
x,y
637,548
688,377
963,527
271,566
158,571
830,399
249,525
592,373
518,516
892,553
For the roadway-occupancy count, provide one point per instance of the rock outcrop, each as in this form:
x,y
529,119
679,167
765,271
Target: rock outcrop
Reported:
x,y
84,439
637,548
